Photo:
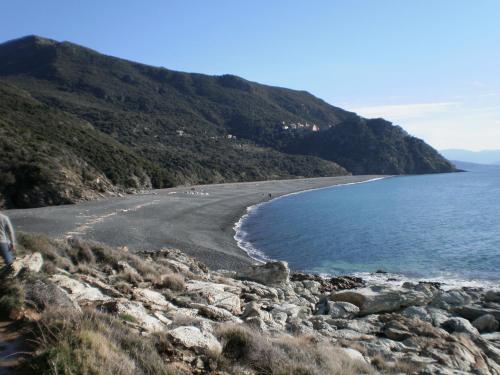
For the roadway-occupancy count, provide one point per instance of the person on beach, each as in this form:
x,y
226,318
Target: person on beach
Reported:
x,y
7,241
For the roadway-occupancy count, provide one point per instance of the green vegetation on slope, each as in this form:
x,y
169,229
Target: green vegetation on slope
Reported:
x,y
196,128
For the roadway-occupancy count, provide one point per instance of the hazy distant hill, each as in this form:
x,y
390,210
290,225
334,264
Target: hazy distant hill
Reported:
x,y
475,167
141,126
480,157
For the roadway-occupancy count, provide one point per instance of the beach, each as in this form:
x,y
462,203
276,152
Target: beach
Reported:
x,y
198,220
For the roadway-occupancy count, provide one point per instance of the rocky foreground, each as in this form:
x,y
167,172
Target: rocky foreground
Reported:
x,y
415,328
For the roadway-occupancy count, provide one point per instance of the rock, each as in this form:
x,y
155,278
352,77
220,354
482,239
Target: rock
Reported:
x,y
459,325
271,273
472,312
220,295
42,293
78,291
153,299
32,263
135,310
438,316
486,323
215,313
492,296
345,282
383,298
354,354
417,312
291,310
369,325
342,310
449,298
193,338
102,286
253,309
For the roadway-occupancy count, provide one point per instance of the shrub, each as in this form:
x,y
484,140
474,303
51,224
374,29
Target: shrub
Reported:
x,y
173,281
285,355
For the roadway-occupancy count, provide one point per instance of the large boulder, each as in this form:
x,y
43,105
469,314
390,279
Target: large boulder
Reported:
x,y
193,338
384,298
271,273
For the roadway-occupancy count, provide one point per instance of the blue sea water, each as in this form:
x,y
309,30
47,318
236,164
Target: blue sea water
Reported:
x,y
444,226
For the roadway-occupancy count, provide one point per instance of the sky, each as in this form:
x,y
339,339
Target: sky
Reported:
x,y
430,66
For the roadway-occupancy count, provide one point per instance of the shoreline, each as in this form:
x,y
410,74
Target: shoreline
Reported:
x,y
259,255
198,220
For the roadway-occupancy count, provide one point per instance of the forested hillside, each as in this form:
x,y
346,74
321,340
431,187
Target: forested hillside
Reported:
x,y
73,116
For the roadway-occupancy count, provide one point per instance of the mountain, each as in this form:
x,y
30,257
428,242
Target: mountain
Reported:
x,y
154,127
475,167
479,157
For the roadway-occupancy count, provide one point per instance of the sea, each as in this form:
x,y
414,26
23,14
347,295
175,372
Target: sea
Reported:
x,y
441,227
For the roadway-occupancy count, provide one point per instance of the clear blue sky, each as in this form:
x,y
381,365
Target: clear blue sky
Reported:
x,y
432,66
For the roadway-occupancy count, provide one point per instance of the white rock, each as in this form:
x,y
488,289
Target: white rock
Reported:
x,y
139,313
78,291
154,299
193,337
32,262
354,354
220,295
342,310
417,312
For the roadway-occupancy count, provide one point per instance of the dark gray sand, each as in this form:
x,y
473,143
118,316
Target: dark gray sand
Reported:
x,y
198,221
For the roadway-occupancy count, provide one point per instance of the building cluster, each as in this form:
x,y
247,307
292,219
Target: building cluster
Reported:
x,y
299,125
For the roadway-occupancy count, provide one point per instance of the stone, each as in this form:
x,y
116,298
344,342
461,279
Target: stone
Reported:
x,y
102,286
79,292
437,316
270,273
32,263
220,295
417,312
492,296
253,309
153,299
43,293
215,313
291,310
449,298
486,323
472,312
342,310
354,354
459,325
137,311
193,338
383,298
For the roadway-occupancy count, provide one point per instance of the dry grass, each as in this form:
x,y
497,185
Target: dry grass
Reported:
x,y
91,343
11,297
173,281
285,355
